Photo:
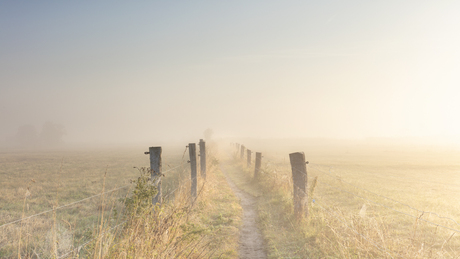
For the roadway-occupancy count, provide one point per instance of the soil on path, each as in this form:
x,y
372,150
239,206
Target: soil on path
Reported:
x,y
251,241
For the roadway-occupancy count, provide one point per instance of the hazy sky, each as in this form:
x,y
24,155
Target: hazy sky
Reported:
x,y
127,71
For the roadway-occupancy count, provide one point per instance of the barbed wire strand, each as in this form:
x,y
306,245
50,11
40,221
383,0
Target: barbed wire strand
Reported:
x,y
75,202
180,186
410,180
421,211
346,225
63,206
400,178
385,206
427,221
388,198
418,210
87,198
83,245
183,155
173,168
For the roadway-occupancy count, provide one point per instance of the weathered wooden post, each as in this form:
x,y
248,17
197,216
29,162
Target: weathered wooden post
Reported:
x,y
249,157
192,153
299,177
203,158
242,152
258,164
155,167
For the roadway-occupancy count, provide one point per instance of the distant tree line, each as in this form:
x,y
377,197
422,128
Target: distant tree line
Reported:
x,y
51,135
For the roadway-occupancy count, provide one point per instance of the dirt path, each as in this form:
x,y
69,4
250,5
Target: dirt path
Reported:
x,y
251,241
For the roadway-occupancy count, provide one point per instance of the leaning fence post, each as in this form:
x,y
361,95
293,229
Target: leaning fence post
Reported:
x,y
299,177
249,157
203,158
258,164
192,153
242,152
155,167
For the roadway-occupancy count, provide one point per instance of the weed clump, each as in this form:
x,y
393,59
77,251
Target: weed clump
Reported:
x,y
143,193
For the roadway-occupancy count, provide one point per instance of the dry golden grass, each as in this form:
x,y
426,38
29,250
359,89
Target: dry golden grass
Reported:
x,y
37,182
100,227
355,213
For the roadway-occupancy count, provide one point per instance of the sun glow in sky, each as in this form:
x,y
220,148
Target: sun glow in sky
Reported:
x,y
165,70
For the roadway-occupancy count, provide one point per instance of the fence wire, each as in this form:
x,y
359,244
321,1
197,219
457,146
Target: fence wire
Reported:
x,y
102,234
388,198
390,208
385,206
411,180
116,226
385,197
268,162
75,202
63,206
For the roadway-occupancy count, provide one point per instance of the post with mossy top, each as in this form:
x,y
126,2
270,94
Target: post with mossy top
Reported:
x,y
258,164
249,157
203,159
299,179
192,153
155,171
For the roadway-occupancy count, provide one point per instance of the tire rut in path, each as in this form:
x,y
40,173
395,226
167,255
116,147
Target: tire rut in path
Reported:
x,y
251,241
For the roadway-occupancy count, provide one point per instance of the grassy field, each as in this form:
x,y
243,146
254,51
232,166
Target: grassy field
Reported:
x,y
36,181
368,202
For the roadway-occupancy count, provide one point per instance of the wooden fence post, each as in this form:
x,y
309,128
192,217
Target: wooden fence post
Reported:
x,y
258,164
203,158
242,152
155,167
192,153
249,157
299,177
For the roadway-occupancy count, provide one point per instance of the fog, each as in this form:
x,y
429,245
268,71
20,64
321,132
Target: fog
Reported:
x,y
159,72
